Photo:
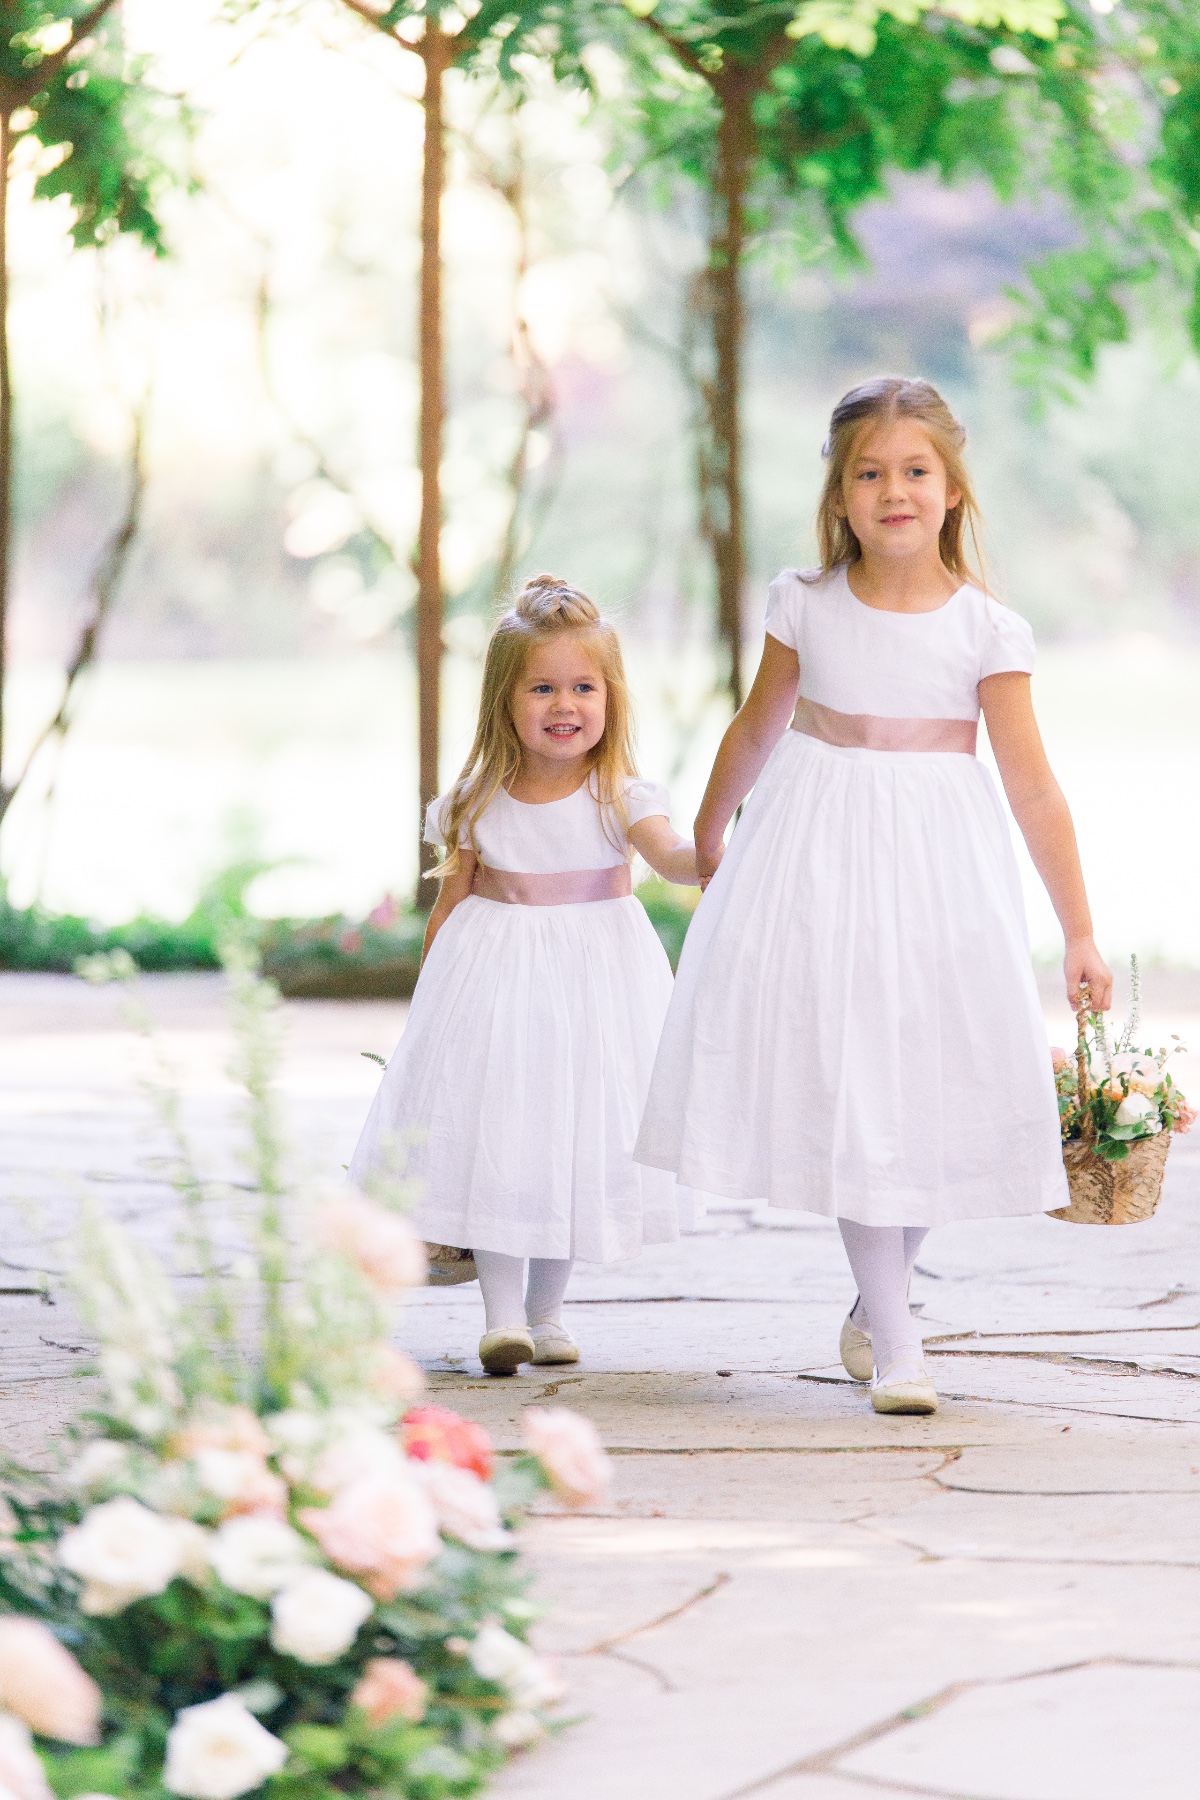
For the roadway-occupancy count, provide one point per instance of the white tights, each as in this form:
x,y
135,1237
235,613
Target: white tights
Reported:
x,y
882,1258
501,1279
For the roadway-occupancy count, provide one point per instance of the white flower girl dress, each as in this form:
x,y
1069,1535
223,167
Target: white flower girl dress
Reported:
x,y
519,1082
855,1028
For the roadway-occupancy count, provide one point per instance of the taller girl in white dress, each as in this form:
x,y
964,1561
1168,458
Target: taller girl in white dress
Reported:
x,y
522,1073
855,1028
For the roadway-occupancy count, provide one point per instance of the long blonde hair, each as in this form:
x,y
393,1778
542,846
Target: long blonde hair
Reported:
x,y
545,607
879,402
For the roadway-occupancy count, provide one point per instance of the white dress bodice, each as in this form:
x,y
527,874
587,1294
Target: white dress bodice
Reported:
x,y
558,835
857,659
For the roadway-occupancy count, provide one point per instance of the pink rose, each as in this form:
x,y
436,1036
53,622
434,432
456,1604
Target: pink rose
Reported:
x,y
355,1455
242,1482
1060,1058
466,1507
389,1688
569,1449
1185,1115
43,1684
435,1434
381,1528
380,1243
222,1428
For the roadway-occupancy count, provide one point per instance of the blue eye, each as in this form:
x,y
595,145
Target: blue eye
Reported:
x,y
542,687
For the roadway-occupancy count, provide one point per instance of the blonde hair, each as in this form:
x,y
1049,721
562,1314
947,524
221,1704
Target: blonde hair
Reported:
x,y
545,608
880,402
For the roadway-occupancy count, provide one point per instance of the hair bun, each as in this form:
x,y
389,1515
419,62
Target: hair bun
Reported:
x,y
544,595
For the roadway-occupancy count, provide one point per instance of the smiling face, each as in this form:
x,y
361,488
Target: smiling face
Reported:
x,y
559,702
895,492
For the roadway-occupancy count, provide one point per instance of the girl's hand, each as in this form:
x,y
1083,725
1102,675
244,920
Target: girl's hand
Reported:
x,y
1083,962
708,857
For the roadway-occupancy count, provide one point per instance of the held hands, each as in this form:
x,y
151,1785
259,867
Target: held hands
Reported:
x,y
708,856
1083,962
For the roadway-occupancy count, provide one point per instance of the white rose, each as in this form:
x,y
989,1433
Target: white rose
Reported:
x,y
193,1542
1139,1109
317,1616
219,1750
256,1556
100,1464
538,1683
124,1552
465,1506
517,1730
22,1776
496,1655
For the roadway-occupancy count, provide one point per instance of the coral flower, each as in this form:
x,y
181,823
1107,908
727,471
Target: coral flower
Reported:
x,y
435,1434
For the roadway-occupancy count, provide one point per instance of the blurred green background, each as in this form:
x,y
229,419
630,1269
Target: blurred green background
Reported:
x,y
256,699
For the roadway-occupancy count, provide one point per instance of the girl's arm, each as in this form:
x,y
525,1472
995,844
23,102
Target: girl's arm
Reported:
x,y
451,890
669,855
1041,812
744,749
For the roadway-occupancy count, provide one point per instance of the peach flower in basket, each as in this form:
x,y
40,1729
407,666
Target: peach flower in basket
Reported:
x,y
1185,1115
569,1450
43,1684
381,1244
22,1776
435,1434
1061,1058
390,1688
381,1528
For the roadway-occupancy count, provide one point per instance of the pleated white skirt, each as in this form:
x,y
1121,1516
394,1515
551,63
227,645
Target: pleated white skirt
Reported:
x,y
519,1083
855,1028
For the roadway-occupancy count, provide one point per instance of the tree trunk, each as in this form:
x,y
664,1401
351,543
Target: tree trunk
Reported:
x,y
723,500
435,50
6,440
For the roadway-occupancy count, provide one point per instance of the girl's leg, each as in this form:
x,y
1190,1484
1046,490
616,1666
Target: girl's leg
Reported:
x,y
914,1237
500,1280
880,1267
548,1278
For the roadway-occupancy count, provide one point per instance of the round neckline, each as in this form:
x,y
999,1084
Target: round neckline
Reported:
x,y
894,612
561,801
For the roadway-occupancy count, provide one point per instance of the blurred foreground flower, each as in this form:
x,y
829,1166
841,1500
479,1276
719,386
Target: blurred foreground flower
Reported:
x,y
277,1576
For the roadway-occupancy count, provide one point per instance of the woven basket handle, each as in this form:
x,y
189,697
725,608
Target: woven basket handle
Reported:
x,y
1081,1060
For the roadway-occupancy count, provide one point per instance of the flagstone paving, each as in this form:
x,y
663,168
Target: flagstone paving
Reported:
x,y
784,1595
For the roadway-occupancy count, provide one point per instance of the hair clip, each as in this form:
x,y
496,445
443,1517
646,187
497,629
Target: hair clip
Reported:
x,y
827,446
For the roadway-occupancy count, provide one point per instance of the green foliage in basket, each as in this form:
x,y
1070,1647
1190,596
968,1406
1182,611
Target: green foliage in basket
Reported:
x,y
1128,1094
265,1570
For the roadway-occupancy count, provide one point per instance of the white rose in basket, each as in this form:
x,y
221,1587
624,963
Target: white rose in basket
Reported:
x,y
124,1552
317,1616
1140,1109
22,1776
219,1750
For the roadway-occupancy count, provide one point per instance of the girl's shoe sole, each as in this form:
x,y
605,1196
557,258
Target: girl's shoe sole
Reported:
x,y
904,1397
506,1353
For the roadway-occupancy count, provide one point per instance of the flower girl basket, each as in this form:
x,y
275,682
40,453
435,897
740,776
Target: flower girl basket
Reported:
x,y
1103,1192
449,1266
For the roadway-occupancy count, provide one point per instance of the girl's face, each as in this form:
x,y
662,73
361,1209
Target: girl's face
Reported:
x,y
558,705
895,492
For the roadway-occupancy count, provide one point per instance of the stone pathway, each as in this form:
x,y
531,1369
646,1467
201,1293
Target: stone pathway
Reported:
x,y
786,1596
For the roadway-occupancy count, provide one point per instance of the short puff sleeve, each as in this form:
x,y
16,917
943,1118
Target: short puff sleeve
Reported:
x,y
646,800
785,603
433,822
1008,645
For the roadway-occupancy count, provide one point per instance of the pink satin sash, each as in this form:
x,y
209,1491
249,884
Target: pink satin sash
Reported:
x,y
868,731
568,888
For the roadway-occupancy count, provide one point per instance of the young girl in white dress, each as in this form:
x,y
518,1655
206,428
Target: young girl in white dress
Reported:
x,y
522,1072
855,1028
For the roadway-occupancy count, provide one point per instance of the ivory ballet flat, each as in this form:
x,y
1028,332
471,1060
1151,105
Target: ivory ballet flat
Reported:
x,y
502,1352
858,1359
553,1343
908,1395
